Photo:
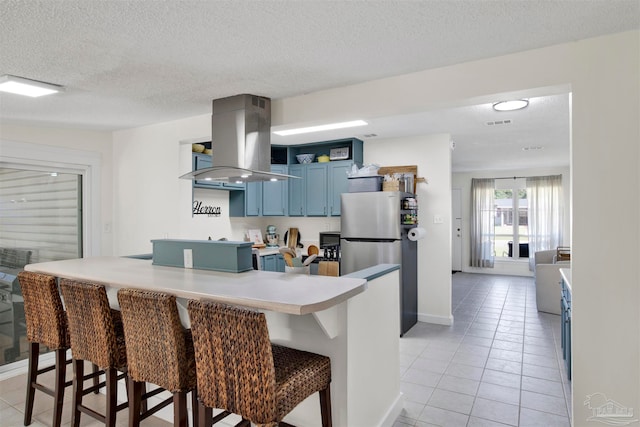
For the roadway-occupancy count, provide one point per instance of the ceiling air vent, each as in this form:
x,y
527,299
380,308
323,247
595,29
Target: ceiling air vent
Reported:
x,y
499,122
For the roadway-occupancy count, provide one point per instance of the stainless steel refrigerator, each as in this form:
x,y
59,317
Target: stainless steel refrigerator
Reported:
x,y
373,231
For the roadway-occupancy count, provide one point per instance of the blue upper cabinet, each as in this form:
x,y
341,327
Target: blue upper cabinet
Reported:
x,y
338,184
297,191
253,199
274,194
316,193
262,198
316,189
203,161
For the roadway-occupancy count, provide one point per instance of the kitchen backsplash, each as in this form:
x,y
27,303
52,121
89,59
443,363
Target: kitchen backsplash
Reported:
x,y
308,227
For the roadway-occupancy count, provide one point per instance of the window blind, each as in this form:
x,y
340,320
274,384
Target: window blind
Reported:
x,y
41,212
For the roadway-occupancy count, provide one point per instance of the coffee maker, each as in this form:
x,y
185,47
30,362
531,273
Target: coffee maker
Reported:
x,y
271,236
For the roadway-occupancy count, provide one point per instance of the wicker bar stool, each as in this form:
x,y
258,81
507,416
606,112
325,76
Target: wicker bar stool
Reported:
x,y
159,351
97,336
240,371
46,325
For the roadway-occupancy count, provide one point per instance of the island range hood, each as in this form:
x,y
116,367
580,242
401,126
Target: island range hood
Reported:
x,y
241,141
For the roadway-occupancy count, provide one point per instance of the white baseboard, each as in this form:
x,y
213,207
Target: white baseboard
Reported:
x,y
438,320
394,412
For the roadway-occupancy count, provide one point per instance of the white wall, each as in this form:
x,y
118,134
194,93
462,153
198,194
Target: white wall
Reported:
x,y
151,202
432,155
509,267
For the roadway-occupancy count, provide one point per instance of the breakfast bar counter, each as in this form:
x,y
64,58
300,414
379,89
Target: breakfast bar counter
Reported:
x,y
280,292
353,319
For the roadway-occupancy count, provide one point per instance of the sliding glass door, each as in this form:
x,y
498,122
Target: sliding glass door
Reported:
x,y
40,220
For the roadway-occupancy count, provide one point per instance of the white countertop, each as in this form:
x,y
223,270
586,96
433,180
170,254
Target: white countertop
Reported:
x,y
269,251
280,292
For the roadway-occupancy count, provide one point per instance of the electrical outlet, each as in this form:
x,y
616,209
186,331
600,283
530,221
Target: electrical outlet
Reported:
x,y
437,219
188,258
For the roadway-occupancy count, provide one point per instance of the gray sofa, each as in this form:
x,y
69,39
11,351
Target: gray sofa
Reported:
x,y
547,280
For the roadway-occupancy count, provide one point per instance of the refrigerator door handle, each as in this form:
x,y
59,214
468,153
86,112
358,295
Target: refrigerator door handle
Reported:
x,y
363,239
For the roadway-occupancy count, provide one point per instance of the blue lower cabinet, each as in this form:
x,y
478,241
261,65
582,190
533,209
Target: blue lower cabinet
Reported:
x,y
565,327
273,263
269,262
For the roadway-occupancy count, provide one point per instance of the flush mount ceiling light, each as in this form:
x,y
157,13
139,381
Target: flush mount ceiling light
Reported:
x,y
27,87
330,126
517,104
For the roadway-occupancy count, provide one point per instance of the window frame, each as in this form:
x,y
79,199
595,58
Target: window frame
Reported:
x,y
26,155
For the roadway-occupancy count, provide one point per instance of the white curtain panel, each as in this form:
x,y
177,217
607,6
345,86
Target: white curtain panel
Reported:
x,y
482,222
545,213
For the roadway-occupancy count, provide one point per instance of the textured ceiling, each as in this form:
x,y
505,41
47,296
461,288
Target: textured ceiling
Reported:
x,y
130,63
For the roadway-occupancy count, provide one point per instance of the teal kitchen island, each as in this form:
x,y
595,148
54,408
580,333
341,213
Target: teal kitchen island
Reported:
x,y
352,319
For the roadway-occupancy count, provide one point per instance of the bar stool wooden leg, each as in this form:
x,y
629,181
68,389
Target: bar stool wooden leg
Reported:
x,y
60,384
204,415
78,375
325,406
112,402
34,351
96,379
134,391
180,409
194,405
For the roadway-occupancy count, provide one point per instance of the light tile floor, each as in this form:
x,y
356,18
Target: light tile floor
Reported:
x,y
499,364
13,395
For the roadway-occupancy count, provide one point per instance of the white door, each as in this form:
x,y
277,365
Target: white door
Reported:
x,y
456,232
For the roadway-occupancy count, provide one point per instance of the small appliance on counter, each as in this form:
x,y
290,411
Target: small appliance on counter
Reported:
x,y
329,238
331,253
271,236
330,244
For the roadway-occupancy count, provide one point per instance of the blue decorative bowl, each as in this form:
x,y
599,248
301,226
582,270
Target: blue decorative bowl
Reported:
x,y
305,158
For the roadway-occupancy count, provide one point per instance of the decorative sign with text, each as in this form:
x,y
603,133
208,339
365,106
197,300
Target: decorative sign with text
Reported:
x,y
200,209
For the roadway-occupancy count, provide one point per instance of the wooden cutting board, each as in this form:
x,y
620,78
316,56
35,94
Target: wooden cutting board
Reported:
x,y
329,268
292,238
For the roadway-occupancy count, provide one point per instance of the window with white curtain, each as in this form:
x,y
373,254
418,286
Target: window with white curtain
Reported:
x,y
482,222
545,213
515,214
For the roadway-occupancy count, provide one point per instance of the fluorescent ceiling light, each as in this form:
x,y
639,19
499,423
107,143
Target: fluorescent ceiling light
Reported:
x,y
27,87
517,104
319,128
